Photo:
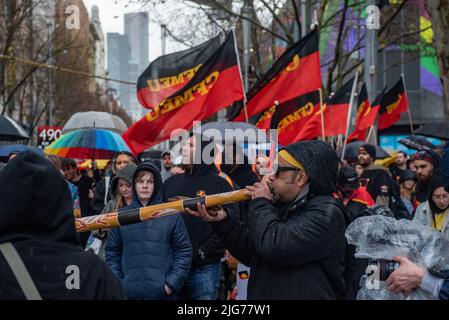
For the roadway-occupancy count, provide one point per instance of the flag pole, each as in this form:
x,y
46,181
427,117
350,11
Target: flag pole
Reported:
x,y
351,103
322,114
408,107
370,131
240,72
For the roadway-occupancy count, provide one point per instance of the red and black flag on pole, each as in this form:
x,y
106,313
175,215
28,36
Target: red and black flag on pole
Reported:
x,y
169,73
295,73
394,102
216,85
298,119
366,114
336,110
264,121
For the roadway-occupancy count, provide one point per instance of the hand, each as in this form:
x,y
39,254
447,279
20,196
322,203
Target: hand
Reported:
x,y
91,194
209,215
407,277
168,291
259,190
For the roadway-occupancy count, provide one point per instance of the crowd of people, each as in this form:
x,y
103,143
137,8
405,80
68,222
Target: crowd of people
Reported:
x,y
290,235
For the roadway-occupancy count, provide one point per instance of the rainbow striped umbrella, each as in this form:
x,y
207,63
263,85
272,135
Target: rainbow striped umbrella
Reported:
x,y
88,144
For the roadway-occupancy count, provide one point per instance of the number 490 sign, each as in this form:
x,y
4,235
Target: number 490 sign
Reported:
x,y
46,135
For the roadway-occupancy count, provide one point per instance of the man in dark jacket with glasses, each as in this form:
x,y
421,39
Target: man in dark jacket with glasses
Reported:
x,y
294,240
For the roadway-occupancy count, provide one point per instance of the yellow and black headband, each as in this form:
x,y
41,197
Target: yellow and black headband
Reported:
x,y
290,159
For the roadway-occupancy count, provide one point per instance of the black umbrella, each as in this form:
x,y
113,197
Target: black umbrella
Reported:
x,y
352,151
10,130
417,143
439,130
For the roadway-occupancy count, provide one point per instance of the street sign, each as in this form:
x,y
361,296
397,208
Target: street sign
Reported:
x,y
46,135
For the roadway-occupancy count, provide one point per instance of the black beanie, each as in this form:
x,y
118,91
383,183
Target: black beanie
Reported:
x,y
370,149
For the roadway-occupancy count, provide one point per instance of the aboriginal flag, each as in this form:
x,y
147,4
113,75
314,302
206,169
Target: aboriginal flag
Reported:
x,y
366,115
394,102
216,85
336,110
169,73
298,118
294,74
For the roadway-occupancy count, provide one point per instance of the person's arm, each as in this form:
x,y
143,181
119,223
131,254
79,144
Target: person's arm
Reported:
x,y
410,276
182,256
214,245
307,238
230,230
432,284
444,292
114,252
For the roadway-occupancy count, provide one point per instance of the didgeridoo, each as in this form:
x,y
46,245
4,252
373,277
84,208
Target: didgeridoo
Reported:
x,y
116,219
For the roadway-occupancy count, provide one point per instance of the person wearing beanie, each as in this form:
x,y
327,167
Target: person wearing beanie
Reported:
x,y
425,163
407,185
376,179
434,212
166,164
199,178
354,197
294,239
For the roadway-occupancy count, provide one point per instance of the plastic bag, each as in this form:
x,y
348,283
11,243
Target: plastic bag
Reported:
x,y
382,238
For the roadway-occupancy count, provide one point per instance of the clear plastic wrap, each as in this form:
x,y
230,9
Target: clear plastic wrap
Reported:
x,y
382,238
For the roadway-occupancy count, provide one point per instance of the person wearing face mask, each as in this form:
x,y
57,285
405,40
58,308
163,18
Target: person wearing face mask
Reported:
x,y
434,212
294,240
152,259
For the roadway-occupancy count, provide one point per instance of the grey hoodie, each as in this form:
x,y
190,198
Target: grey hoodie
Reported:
x,y
126,174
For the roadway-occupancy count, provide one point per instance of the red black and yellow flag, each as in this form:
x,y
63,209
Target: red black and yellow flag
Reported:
x,y
216,85
394,102
336,110
298,119
169,73
366,115
295,73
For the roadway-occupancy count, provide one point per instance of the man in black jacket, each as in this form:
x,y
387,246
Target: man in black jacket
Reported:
x,y
294,240
200,178
36,217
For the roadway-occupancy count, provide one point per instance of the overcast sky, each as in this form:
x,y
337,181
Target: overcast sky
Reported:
x,y
111,17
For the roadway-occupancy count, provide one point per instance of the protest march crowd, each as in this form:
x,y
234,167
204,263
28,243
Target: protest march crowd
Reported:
x,y
293,236
290,236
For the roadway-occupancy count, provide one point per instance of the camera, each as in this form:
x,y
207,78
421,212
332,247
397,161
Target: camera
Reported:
x,y
384,267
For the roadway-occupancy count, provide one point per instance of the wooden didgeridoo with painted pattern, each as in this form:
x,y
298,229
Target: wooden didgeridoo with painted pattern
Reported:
x,y
116,219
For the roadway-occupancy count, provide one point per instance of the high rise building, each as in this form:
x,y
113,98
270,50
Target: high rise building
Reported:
x,y
136,28
118,66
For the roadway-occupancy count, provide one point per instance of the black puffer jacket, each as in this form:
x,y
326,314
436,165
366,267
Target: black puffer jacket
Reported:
x,y
203,178
36,216
295,251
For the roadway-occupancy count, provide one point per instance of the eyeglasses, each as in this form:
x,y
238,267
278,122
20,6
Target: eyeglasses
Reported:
x,y
280,169
440,197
